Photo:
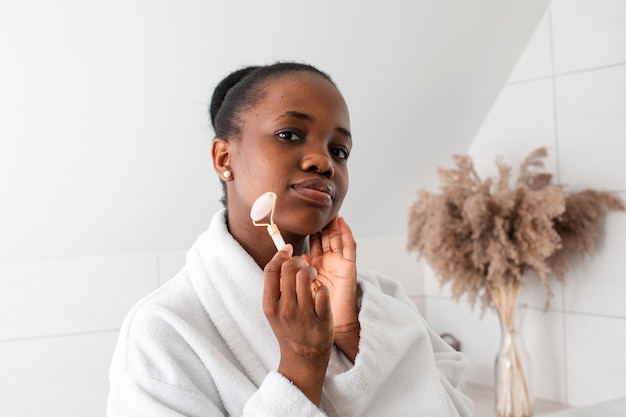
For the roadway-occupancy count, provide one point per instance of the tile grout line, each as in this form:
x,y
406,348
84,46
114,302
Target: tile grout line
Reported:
x,y
590,69
555,119
565,73
530,80
59,335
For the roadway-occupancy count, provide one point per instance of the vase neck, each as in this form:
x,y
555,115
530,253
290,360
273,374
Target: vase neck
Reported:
x,y
511,318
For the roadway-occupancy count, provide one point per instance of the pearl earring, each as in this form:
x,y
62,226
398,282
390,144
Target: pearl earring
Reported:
x,y
228,174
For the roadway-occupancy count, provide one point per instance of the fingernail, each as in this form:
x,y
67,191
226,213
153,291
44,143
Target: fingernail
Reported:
x,y
287,249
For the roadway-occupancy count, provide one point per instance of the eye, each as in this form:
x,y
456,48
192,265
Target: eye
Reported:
x,y
289,136
340,152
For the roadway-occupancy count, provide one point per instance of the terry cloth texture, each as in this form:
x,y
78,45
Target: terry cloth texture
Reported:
x,y
201,346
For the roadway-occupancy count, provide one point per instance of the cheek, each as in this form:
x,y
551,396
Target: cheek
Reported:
x,y
342,186
345,177
252,161
260,171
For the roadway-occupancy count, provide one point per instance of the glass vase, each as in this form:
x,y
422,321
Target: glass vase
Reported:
x,y
513,392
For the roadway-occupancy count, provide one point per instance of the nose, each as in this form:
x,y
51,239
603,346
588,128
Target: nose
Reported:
x,y
318,161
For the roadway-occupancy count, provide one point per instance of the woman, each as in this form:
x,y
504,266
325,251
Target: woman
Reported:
x,y
246,330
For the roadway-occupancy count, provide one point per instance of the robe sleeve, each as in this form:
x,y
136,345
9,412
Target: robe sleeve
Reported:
x,y
157,370
277,396
403,368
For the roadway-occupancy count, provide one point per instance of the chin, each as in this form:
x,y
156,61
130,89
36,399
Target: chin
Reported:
x,y
305,225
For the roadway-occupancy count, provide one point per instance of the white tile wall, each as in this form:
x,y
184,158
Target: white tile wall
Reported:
x,y
59,321
73,295
596,285
56,376
432,285
170,263
592,124
588,33
521,120
578,111
595,358
388,256
536,61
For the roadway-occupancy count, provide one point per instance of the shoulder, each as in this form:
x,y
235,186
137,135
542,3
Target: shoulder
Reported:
x,y
175,300
160,352
165,337
165,331
173,310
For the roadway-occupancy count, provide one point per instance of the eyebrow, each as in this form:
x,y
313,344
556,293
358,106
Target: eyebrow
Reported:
x,y
308,117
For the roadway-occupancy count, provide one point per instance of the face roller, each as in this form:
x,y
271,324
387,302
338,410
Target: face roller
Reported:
x,y
263,207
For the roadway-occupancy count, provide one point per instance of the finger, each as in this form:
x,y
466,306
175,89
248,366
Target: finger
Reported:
x,y
272,272
332,238
323,310
347,240
288,278
288,282
304,281
315,244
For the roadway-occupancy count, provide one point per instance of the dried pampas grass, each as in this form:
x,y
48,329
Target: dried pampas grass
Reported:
x,y
483,237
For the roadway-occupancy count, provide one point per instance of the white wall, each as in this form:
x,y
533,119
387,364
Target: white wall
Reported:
x,y
105,177
568,93
104,137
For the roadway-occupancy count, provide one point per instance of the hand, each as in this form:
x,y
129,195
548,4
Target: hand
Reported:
x,y
333,254
301,320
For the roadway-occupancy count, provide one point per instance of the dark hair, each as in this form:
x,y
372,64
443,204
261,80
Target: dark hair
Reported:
x,y
242,89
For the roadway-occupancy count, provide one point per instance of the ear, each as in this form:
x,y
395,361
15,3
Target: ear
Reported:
x,y
221,156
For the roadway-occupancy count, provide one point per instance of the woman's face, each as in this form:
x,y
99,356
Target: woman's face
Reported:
x,y
295,142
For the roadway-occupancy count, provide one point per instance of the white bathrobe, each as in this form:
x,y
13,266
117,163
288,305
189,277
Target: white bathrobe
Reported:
x,y
201,346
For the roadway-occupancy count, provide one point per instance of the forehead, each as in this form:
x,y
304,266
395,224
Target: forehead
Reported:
x,y
305,92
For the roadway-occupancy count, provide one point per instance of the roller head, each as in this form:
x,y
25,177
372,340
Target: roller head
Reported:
x,y
263,206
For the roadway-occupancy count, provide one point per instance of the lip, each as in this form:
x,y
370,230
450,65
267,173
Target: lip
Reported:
x,y
316,190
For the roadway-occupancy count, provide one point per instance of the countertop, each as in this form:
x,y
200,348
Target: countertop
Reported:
x,y
613,408
483,398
